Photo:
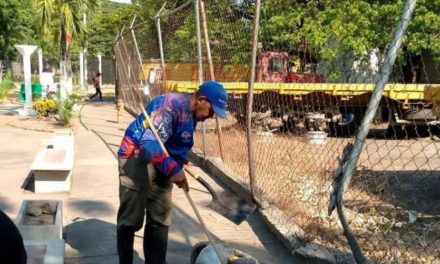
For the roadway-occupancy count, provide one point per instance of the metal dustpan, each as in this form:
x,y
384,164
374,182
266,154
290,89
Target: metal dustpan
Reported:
x,y
237,210
228,204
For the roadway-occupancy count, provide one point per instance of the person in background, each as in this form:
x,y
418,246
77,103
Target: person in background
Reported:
x,y
96,81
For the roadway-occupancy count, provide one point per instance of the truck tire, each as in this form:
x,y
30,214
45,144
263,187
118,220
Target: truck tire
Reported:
x,y
395,132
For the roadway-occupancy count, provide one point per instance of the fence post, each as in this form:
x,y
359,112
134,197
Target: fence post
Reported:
x,y
211,70
200,66
159,37
251,96
366,122
138,53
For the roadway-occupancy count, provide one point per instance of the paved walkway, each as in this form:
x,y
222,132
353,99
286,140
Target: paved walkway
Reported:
x,y
91,206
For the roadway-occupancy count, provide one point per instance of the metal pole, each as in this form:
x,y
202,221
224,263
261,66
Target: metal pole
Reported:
x,y
40,62
159,36
162,57
200,64
81,69
134,89
85,56
251,96
211,70
127,83
138,52
100,69
366,121
40,71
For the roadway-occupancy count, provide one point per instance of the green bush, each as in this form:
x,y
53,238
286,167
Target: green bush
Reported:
x,y
5,86
44,107
66,107
66,110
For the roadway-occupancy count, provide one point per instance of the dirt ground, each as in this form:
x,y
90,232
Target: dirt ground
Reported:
x,y
393,203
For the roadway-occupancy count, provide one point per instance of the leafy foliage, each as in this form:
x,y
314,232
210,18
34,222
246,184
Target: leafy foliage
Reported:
x,y
325,30
44,107
66,107
62,21
16,27
66,110
105,25
313,31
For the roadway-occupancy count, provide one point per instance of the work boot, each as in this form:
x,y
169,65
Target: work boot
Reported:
x,y
155,244
125,240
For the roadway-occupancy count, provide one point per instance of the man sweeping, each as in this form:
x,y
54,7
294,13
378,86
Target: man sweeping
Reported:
x,y
147,175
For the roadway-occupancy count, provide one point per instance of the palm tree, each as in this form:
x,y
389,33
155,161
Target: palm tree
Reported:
x,y
63,20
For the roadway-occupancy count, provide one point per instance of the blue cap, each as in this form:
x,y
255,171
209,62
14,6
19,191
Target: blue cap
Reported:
x,y
216,95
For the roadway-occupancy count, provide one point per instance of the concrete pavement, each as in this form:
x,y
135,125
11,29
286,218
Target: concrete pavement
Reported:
x,y
91,206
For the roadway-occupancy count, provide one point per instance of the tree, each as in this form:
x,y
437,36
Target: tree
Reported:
x,y
66,17
16,27
106,24
326,30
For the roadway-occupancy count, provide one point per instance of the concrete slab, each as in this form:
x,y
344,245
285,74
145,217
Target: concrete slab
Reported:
x,y
45,251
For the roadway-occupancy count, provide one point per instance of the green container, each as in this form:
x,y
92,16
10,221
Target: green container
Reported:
x,y
36,92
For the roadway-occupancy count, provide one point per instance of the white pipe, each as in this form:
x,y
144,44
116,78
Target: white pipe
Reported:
x,y
81,69
26,51
40,62
40,71
100,69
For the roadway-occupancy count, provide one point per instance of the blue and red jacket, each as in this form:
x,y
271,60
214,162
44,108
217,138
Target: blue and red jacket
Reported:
x,y
172,117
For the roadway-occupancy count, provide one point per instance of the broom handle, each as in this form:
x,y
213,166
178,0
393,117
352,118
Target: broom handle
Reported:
x,y
193,205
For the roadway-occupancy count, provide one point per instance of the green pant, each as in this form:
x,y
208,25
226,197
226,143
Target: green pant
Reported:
x,y
143,190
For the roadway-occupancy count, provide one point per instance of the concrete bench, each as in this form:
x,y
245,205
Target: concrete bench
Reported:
x,y
40,223
53,164
45,251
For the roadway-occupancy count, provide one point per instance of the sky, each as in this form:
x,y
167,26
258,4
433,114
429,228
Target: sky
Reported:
x,y
121,1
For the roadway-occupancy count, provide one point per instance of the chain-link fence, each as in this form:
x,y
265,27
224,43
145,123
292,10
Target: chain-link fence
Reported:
x,y
315,123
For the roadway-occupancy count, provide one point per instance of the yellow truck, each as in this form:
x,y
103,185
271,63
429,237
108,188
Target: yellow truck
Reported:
x,y
336,108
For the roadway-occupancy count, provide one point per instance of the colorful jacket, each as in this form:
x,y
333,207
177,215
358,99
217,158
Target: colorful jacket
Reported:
x,y
172,117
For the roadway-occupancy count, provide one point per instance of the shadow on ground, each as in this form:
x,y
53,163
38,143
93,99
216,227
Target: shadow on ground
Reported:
x,y
92,241
29,182
4,204
89,207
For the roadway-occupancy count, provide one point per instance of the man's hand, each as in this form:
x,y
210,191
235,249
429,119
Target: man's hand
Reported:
x,y
180,180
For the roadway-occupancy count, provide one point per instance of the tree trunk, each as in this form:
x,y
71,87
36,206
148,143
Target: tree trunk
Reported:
x,y
65,69
1,71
